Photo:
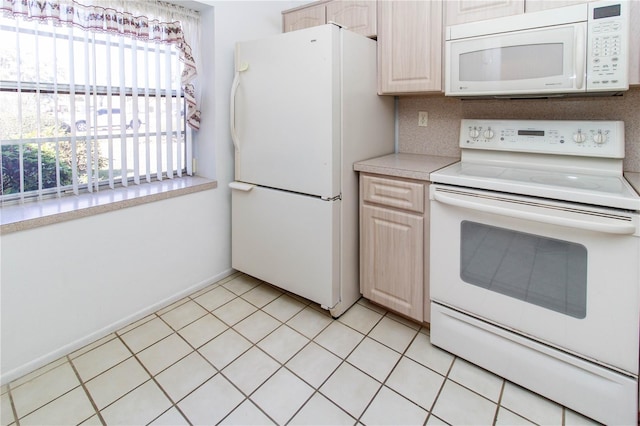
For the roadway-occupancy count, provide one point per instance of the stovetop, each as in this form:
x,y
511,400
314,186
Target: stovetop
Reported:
x,y
606,190
577,161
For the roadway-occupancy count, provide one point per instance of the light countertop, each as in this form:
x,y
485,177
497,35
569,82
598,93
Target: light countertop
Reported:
x,y
411,166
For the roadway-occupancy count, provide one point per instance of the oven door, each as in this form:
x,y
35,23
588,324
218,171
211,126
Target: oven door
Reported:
x,y
566,275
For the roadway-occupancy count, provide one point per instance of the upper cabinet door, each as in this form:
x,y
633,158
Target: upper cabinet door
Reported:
x,y
461,11
304,18
356,16
409,47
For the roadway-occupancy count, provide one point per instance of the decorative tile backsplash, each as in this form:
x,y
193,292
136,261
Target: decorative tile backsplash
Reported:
x,y
440,137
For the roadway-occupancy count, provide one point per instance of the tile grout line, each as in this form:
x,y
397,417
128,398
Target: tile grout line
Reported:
x,y
86,391
174,404
359,418
195,350
229,327
402,355
444,382
316,390
495,418
343,361
382,384
17,420
13,406
282,365
219,371
152,376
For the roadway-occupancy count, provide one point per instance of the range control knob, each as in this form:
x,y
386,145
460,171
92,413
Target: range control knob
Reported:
x,y
488,134
579,137
474,133
600,137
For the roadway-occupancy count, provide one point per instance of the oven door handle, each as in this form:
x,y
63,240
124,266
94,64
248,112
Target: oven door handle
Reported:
x,y
608,228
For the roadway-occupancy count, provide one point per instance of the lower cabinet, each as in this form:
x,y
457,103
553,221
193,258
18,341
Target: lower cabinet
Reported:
x,y
394,244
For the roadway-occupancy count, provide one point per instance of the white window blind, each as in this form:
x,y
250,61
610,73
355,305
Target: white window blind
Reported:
x,y
83,110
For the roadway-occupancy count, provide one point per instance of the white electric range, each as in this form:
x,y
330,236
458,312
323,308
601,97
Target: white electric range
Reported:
x,y
535,239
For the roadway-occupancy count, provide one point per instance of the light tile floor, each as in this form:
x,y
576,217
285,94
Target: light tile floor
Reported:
x,y
241,352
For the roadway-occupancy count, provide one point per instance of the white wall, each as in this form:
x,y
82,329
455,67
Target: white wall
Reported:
x,y
65,285
68,284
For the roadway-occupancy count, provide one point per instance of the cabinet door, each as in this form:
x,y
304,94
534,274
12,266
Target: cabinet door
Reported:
x,y
356,16
304,18
392,259
409,47
461,11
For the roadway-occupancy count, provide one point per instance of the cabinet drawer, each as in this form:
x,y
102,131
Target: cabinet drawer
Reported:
x,y
396,193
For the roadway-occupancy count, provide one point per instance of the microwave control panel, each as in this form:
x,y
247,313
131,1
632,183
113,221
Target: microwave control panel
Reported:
x,y
563,137
608,46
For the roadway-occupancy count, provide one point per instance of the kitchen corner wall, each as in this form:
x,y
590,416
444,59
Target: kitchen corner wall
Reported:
x,y
440,137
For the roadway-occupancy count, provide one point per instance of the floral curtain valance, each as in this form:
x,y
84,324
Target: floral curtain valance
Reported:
x,y
105,19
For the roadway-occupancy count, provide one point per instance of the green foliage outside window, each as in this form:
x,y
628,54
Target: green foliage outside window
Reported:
x,y
11,164
11,168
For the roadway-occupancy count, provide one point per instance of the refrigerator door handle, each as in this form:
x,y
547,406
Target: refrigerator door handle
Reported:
x,y
241,186
232,106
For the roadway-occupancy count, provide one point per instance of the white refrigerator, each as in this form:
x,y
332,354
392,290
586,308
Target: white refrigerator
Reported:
x,y
304,108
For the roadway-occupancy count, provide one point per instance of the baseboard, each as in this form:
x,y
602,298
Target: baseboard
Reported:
x,y
9,376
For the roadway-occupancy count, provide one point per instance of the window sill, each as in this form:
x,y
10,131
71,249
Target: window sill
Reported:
x,y
40,213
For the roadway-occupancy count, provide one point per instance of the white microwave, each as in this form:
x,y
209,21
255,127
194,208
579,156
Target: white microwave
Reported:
x,y
579,49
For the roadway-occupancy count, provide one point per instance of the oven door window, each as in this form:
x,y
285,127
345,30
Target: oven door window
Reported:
x,y
543,271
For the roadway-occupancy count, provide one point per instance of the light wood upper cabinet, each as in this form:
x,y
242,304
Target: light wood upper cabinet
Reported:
x,y
310,16
356,16
461,11
410,45
394,244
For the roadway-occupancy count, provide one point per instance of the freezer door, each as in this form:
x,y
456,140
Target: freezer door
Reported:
x,y
285,116
288,240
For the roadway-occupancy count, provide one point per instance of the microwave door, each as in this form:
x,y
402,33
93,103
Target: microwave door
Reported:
x,y
540,61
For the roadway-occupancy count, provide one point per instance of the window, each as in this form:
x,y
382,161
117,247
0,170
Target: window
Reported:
x,y
84,110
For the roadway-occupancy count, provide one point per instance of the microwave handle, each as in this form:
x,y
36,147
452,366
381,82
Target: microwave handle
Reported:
x,y
622,229
581,57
